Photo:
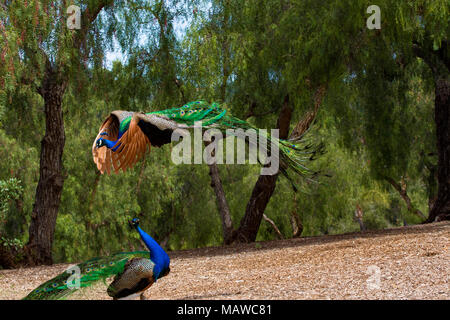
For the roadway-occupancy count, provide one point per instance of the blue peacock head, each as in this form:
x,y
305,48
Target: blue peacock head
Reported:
x,y
100,143
134,223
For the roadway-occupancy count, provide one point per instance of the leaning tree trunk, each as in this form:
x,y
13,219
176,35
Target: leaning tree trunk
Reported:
x,y
441,207
222,204
50,185
261,194
264,188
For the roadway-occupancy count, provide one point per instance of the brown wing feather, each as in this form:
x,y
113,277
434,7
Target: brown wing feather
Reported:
x,y
133,146
102,156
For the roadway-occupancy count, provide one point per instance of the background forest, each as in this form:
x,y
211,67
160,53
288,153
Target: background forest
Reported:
x,y
373,93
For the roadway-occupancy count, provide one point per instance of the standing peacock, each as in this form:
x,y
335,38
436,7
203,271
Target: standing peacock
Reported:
x,y
124,136
134,273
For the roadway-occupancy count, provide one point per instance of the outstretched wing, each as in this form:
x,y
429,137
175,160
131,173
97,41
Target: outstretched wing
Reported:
x,y
133,143
88,273
137,130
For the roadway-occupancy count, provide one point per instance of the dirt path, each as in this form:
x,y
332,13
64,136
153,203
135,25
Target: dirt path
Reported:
x,y
401,263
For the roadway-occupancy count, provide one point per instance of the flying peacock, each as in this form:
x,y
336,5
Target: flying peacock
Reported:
x,y
124,137
134,273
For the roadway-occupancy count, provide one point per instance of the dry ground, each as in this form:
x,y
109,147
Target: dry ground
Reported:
x,y
402,263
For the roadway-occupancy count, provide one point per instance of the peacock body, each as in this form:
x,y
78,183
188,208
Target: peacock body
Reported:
x,y
134,273
125,284
124,137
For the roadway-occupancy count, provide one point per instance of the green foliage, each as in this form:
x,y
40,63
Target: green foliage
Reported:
x,y
11,243
10,247
376,118
9,190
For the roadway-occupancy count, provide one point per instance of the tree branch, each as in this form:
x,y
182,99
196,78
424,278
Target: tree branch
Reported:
x,y
178,84
401,188
304,124
251,112
296,223
88,16
274,226
224,209
433,59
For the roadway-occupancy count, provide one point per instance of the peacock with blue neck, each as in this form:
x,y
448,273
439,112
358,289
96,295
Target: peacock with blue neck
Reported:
x,y
134,272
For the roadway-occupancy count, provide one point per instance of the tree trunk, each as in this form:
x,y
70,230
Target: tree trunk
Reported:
x,y
224,210
439,64
296,223
432,183
441,207
262,192
50,185
359,217
51,179
274,226
264,187
401,188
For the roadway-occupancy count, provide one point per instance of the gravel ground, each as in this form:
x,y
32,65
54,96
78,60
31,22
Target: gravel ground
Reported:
x,y
401,263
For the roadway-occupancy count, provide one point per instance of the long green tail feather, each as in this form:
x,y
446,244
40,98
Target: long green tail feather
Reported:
x,y
91,271
293,153
211,115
